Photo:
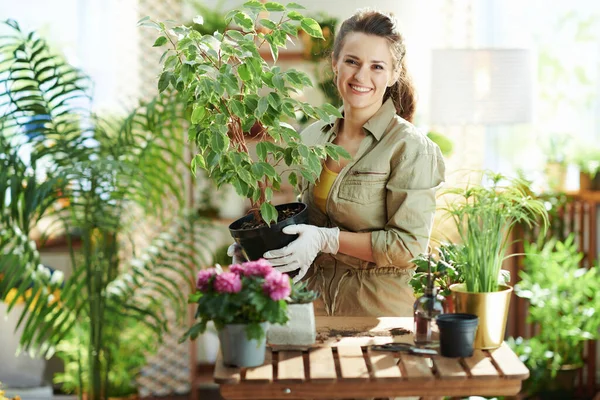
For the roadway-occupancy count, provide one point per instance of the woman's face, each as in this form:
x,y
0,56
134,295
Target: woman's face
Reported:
x,y
365,68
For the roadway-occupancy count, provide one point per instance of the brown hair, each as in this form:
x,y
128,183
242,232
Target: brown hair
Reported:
x,y
383,25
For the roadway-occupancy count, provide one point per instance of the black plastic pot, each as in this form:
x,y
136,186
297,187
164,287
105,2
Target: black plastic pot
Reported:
x,y
257,241
457,334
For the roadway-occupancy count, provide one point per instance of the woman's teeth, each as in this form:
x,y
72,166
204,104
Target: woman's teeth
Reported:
x,y
360,89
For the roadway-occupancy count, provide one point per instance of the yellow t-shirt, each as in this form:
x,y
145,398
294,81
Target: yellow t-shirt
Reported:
x,y
323,186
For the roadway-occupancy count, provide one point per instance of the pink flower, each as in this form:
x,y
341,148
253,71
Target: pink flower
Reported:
x,y
259,267
277,285
236,269
228,282
203,278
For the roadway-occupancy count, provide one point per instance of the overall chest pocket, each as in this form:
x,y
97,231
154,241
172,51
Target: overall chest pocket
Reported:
x,y
363,187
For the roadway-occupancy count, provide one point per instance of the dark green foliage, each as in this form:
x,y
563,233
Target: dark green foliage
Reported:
x,y
301,294
103,178
445,269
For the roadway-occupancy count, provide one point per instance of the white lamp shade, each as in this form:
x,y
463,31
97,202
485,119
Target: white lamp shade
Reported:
x,y
481,86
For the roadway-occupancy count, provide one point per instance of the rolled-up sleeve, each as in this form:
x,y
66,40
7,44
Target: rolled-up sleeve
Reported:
x,y
410,205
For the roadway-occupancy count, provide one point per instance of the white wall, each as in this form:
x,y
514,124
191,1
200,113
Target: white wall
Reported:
x,y
98,36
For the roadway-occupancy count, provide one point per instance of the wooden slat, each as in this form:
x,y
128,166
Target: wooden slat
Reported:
x,y
321,364
508,362
481,366
290,366
353,389
225,374
352,363
417,366
449,368
384,365
263,373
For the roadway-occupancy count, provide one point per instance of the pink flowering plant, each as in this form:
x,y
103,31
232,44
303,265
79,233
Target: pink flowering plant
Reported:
x,y
249,293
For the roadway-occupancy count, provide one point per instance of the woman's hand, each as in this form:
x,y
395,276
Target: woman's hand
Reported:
x,y
302,252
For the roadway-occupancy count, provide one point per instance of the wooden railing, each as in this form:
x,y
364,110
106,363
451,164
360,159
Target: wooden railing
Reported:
x,y
577,215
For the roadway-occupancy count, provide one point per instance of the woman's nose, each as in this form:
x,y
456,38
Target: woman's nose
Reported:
x,y
360,74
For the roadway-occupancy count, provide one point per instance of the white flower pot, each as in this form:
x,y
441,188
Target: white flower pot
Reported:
x,y
300,329
20,371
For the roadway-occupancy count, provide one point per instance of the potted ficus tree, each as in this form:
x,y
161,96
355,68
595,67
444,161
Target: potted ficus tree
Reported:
x,y
484,216
231,89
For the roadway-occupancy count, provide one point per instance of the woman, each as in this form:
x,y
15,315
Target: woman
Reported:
x,y
370,215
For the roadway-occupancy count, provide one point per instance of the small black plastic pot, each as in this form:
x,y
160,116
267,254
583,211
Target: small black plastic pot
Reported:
x,y
257,241
457,334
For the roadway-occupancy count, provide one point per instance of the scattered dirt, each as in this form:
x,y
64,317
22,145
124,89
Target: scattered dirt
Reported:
x,y
339,334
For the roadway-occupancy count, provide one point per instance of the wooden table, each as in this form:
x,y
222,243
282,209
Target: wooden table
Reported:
x,y
341,365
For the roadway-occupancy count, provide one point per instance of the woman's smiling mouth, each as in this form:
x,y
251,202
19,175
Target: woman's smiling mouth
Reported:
x,y
360,89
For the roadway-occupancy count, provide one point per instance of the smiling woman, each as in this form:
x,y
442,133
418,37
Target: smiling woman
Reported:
x,y
372,214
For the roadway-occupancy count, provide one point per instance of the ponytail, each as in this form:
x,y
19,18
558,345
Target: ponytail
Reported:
x,y
403,94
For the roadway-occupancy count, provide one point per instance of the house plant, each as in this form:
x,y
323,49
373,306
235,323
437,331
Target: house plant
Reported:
x,y
556,150
444,143
241,303
114,174
484,216
301,329
444,269
128,354
587,158
231,89
563,303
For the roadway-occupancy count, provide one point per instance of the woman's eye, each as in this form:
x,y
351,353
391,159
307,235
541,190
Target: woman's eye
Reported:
x,y
377,66
351,62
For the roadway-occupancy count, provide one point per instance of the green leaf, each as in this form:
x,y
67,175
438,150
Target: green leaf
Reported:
x,y
254,5
274,100
268,213
290,29
314,164
235,35
263,105
295,15
197,161
267,23
244,73
219,142
332,110
237,108
257,170
244,21
293,179
160,41
198,114
311,27
295,6
278,82
268,170
163,81
273,6
273,47
288,110
268,194
262,151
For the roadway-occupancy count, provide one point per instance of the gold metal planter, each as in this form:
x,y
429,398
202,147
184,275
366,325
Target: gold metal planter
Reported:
x,y
492,310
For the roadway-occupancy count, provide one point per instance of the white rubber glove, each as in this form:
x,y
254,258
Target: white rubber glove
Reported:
x,y
236,253
302,252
